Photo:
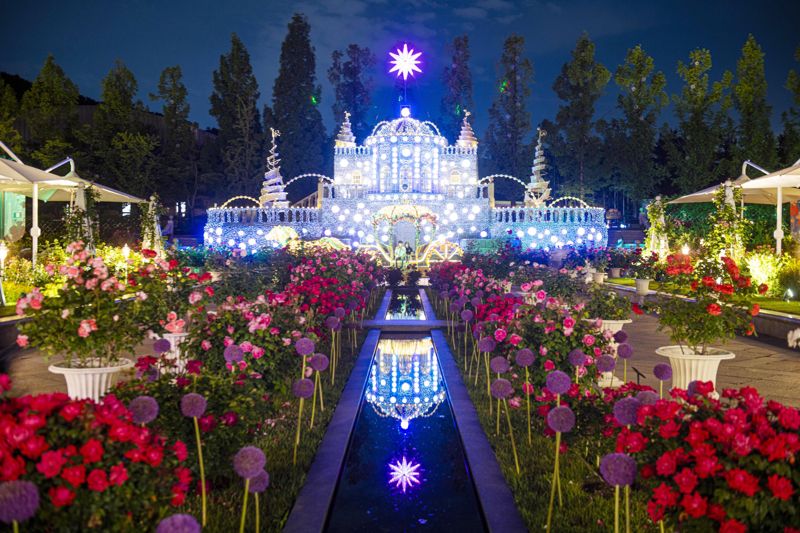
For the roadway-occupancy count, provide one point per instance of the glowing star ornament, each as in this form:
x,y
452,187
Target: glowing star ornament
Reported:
x,y
404,474
405,62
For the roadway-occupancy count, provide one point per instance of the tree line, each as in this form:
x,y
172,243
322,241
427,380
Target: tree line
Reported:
x,y
718,123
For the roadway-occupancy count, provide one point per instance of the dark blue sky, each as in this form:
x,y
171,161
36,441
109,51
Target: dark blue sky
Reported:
x,y
86,37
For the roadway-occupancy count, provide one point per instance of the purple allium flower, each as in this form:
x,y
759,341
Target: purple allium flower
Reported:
x,y
318,362
576,357
462,301
467,315
144,409
233,354
561,419
525,357
193,405
502,388
618,469
303,388
249,462
331,323
558,382
475,301
162,346
486,344
305,346
499,365
178,523
479,294
620,337
625,410
647,397
606,363
691,388
662,371
454,307
625,351
443,294
259,483
339,312
19,501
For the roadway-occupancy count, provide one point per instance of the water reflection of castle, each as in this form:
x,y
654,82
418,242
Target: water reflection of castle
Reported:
x,y
406,183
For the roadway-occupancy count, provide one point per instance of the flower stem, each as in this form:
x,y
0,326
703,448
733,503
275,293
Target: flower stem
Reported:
x,y
553,484
258,516
202,468
244,505
488,386
314,400
299,417
616,509
511,434
528,400
497,427
16,526
627,509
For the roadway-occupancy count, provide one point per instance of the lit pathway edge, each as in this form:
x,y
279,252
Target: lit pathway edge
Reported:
x,y
310,511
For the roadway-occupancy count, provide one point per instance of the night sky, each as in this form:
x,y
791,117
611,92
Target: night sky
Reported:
x,y
87,36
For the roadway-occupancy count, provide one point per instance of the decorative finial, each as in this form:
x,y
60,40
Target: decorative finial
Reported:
x,y
345,138
466,139
273,160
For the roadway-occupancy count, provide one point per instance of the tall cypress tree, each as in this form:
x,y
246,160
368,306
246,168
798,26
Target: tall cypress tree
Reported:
x,y
9,110
509,119
696,157
352,86
457,81
295,108
573,137
789,149
234,105
755,138
50,106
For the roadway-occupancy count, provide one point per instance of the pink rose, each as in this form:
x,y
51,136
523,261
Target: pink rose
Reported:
x,y
205,345
588,340
549,365
22,341
500,335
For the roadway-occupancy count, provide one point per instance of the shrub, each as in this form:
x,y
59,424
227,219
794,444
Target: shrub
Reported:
x,y
607,304
766,267
394,276
413,277
789,278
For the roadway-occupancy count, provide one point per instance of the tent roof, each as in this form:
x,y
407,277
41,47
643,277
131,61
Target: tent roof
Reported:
x,y
787,177
751,196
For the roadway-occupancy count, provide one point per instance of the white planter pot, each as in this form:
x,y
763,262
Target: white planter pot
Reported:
x,y
91,382
688,366
598,277
614,272
642,287
175,352
611,325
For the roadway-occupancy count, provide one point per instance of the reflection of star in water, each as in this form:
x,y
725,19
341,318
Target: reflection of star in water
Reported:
x,y
404,474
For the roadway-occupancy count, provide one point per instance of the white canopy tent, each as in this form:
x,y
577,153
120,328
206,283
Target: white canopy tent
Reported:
x,y
780,184
749,196
15,176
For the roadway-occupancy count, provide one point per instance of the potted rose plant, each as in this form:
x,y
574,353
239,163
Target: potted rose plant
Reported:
x,y
612,310
619,258
644,269
91,322
717,307
599,259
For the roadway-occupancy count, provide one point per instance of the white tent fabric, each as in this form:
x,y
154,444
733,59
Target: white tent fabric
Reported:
x,y
749,196
778,183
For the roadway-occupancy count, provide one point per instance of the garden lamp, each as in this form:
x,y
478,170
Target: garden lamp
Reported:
x,y
3,255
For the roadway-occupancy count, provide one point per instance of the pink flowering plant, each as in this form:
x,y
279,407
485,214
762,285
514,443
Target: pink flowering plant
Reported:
x,y
93,318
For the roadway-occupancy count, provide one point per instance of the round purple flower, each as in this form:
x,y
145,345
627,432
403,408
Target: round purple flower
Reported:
x,y
318,362
249,462
618,469
561,419
502,388
620,337
662,371
479,294
233,354
19,501
339,312
625,410
486,344
467,315
178,523
625,351
475,301
144,409
303,388
691,388
331,323
454,307
259,483
525,357
162,346
499,365
576,357
558,382
606,363
193,405
647,397
305,346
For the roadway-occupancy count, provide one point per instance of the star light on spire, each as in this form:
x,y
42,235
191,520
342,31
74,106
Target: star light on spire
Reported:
x,y
405,62
404,474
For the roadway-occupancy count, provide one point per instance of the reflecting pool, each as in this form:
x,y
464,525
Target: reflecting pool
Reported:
x,y
405,467
406,304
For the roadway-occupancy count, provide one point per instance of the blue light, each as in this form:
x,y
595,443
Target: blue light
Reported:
x,y
404,474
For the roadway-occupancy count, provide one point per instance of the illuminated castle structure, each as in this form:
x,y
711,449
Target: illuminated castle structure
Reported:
x,y
406,184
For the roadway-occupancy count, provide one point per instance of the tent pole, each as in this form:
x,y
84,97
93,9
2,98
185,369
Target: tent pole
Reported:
x,y
35,231
779,217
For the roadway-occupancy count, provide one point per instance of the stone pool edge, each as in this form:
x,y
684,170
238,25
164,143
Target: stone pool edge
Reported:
x,y
310,510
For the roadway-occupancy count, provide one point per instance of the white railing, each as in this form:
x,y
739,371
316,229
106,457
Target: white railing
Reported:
x,y
266,215
553,215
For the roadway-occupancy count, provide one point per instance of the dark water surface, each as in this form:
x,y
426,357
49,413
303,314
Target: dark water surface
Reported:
x,y
405,304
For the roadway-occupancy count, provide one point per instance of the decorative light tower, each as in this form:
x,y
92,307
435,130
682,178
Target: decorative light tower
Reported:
x,y
467,139
537,192
272,192
346,139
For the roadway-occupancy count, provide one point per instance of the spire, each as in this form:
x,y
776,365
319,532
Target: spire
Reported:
x,y
272,192
346,139
538,190
467,139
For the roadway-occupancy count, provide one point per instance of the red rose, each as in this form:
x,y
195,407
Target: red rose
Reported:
x,y
732,526
636,309
742,481
154,456
207,423
92,451
666,464
97,480
686,480
118,475
71,411
755,310
694,505
11,468
781,487
180,450
789,417
714,309
664,495
763,288
74,475
61,496
33,447
148,253
51,463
